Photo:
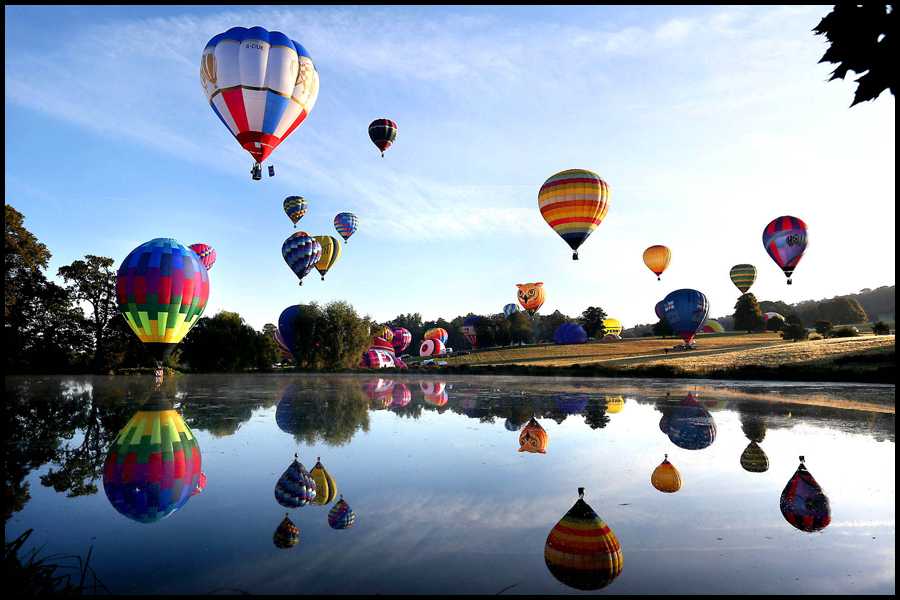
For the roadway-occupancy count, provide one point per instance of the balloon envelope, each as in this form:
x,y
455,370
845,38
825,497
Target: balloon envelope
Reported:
x,y
574,203
331,251
301,253
153,466
666,477
437,333
206,253
803,502
509,309
569,333
401,338
346,223
712,326
261,84
753,459
286,535
581,550
326,490
533,438
295,208
743,276
531,296
468,330
613,326
383,133
687,311
340,516
786,240
162,289
295,487
657,259
431,347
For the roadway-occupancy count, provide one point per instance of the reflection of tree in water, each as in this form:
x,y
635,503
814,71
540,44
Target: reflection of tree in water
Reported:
x,y
40,414
331,415
595,413
219,405
754,418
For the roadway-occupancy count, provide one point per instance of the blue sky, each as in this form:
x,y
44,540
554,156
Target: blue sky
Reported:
x,y
706,122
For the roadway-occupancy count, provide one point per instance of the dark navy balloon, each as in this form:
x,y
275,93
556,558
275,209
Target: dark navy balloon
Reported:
x,y
286,328
569,333
686,311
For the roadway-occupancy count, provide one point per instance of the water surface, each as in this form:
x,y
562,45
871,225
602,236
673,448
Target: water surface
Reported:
x,y
443,499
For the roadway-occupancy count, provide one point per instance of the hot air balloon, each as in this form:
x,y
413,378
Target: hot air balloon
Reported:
x,y
657,259
572,404
786,240
753,459
432,387
581,551
382,132
615,405
285,351
511,425
569,333
666,477
346,223
437,399
803,503
401,338
206,253
468,330
261,85
510,309
286,326
153,466
400,394
743,277
611,337
712,326
326,490
531,296
377,359
331,251
301,253
573,203
613,326
295,487
770,315
381,331
437,333
690,426
340,516
295,208
686,311
533,438
201,483
431,347
659,311
286,535
162,289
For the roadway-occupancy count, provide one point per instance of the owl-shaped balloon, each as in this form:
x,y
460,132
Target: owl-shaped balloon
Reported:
x,y
531,296
533,438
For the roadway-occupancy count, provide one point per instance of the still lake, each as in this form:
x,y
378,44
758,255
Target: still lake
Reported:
x,y
443,498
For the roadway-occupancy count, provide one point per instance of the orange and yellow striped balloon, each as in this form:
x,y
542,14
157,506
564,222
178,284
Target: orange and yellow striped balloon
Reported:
x,y
573,203
657,259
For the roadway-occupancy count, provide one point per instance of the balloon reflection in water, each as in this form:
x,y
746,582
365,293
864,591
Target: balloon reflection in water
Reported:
x,y
753,459
286,535
615,405
572,404
153,466
803,503
295,487
340,516
581,551
666,477
201,484
400,395
691,426
326,489
533,438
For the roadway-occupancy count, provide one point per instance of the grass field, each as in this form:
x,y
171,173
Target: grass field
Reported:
x,y
713,352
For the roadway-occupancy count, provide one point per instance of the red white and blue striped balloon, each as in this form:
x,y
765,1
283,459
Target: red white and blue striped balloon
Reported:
x,y
261,84
346,223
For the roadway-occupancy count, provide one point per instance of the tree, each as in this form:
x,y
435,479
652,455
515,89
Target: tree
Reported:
x,y
93,280
333,336
794,332
747,315
824,328
775,323
862,41
591,320
552,322
24,259
880,328
662,328
226,343
520,328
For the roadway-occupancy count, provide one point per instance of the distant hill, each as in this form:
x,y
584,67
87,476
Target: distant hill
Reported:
x,y
878,303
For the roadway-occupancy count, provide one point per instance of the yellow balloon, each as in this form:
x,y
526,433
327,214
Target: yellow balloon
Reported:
x,y
657,259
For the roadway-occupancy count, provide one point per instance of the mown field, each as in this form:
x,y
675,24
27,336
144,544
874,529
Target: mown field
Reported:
x,y
713,352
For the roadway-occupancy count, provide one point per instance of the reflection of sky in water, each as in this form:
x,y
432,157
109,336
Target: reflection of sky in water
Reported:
x,y
446,503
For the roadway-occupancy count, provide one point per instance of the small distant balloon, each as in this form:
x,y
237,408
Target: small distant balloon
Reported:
x,y
401,338
331,251
346,223
295,208
803,502
437,333
533,438
657,259
286,535
753,459
743,276
301,253
531,296
510,309
786,239
326,489
383,133
666,477
340,516
206,253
